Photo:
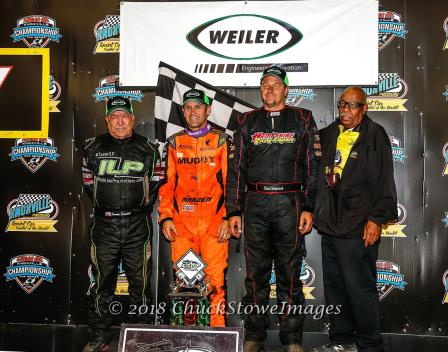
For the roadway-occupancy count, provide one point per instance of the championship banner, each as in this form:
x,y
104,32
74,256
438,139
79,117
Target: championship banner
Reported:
x,y
171,86
233,48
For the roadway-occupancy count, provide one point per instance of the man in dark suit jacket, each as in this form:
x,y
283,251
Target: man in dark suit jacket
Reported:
x,y
356,195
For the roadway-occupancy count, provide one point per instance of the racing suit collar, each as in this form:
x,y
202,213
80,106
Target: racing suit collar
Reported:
x,y
274,113
122,141
198,133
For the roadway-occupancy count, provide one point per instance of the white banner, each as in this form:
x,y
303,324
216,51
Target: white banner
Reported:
x,y
229,43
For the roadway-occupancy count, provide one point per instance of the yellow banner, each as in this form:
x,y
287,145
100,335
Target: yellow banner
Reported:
x,y
393,230
386,104
108,47
53,107
122,287
32,225
307,292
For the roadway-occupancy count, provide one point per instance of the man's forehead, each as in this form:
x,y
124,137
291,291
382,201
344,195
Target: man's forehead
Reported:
x,y
271,79
194,103
120,113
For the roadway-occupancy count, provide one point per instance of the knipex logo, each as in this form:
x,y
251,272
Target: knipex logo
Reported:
x,y
4,72
251,37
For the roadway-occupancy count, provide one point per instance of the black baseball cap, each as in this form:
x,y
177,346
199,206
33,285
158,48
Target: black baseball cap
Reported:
x,y
196,95
119,103
276,72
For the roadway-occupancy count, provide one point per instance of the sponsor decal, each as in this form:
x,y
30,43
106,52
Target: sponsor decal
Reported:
x,y
390,25
36,31
273,137
445,219
118,167
107,90
185,146
55,93
34,152
196,160
307,276
445,157
445,28
244,36
445,285
188,207
396,229
29,271
338,158
4,73
107,35
297,95
190,268
389,95
247,67
197,199
388,277
397,150
353,155
32,213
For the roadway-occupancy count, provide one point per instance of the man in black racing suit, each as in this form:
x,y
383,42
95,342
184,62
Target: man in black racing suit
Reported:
x,y
121,174
272,180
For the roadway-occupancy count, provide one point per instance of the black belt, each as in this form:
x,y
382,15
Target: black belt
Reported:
x,y
108,213
274,187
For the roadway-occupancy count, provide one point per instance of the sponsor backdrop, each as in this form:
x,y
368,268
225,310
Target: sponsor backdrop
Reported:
x,y
45,216
228,43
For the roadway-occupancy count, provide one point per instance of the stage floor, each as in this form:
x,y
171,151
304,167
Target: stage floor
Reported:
x,y
72,338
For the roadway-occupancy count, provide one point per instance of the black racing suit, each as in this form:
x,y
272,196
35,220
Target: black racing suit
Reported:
x,y
271,178
122,178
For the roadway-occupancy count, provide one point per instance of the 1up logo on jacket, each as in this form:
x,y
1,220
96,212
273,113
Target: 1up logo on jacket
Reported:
x,y
112,167
244,36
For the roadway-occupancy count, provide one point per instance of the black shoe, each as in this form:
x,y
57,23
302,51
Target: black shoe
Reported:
x,y
253,346
96,345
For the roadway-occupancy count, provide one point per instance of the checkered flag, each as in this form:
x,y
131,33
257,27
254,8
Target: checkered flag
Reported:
x,y
29,198
111,20
171,86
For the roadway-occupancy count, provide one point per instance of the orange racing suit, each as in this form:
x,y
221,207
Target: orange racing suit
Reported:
x,y
193,197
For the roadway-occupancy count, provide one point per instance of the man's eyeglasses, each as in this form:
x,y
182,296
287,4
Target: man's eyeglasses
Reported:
x,y
351,104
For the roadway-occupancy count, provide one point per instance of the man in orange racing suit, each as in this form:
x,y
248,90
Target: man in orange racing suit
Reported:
x,y
191,205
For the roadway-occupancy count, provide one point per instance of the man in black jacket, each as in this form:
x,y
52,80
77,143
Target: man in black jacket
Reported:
x,y
121,174
356,195
272,180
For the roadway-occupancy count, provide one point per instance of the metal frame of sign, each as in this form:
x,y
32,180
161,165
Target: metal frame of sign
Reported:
x,y
237,332
43,132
